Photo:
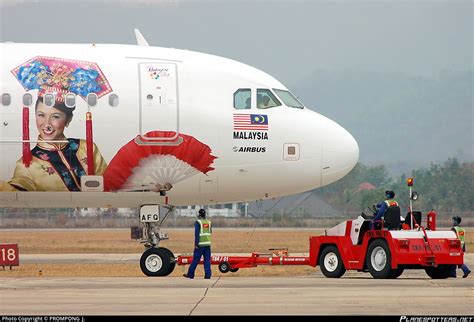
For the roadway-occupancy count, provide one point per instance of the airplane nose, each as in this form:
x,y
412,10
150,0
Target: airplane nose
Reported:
x,y
340,153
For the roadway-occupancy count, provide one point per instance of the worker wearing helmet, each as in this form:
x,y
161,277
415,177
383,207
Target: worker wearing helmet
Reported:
x,y
202,245
461,234
383,206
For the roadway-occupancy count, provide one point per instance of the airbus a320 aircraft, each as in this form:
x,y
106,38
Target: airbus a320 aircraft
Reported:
x,y
103,125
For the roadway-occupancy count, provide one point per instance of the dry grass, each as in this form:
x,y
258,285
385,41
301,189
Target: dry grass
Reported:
x,y
181,241
76,270
119,241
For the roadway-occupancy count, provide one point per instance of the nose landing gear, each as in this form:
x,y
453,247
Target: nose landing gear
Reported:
x,y
155,261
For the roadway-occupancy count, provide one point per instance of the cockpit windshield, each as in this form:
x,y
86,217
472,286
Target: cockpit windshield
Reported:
x,y
288,98
266,99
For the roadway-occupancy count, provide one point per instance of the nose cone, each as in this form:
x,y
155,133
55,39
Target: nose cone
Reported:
x,y
340,152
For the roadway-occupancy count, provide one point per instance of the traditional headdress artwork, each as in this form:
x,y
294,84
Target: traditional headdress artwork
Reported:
x,y
62,76
59,76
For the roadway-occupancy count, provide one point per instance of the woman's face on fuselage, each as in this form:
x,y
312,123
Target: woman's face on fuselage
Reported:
x,y
50,122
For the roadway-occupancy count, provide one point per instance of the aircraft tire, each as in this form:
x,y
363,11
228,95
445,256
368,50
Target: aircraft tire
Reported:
x,y
157,262
172,259
234,270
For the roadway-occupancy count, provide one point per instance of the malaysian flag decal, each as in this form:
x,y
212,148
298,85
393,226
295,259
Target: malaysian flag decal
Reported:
x,y
250,122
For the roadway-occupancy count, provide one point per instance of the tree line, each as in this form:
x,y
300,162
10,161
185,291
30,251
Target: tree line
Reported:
x,y
444,187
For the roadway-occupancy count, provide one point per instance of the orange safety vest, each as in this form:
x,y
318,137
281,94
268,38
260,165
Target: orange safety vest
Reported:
x,y
391,203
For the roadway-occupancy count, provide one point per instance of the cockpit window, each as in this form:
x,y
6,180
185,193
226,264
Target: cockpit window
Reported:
x,y
242,98
266,99
288,98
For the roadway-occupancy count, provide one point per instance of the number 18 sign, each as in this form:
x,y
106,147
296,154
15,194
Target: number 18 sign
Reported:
x,y
9,255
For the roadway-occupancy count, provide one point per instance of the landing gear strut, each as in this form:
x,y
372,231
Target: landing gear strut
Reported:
x,y
155,261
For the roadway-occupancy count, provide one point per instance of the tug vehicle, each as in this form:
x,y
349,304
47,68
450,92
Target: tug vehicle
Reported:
x,y
383,250
398,244
385,253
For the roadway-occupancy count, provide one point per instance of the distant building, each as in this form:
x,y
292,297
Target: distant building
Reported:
x,y
366,186
228,210
307,204
94,212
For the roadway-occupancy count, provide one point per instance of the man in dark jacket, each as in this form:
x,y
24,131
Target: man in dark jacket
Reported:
x,y
383,206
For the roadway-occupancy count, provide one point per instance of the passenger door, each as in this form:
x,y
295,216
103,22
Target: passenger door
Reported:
x,y
159,101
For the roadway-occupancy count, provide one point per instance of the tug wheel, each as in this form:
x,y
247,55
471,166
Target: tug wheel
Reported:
x,y
224,267
439,272
331,263
396,272
379,259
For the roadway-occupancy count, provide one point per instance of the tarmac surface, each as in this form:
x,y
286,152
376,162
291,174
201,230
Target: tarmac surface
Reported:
x,y
414,293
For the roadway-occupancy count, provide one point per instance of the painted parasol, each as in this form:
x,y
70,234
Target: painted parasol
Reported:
x,y
146,167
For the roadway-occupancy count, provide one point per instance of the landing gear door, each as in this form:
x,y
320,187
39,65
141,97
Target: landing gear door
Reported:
x,y
159,105
150,213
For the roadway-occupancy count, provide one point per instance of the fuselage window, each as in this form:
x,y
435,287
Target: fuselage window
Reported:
x,y
242,98
288,99
266,99
70,100
113,100
49,100
92,99
27,99
6,99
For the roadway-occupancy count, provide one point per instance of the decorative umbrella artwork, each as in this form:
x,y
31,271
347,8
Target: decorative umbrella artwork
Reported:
x,y
149,167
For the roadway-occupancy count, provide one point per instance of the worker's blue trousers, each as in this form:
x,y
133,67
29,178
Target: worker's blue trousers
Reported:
x,y
198,252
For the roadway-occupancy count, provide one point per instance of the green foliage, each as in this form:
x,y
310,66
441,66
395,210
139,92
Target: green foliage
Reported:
x,y
444,187
346,195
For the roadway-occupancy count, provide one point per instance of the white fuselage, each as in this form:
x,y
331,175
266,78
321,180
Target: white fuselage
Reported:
x,y
249,165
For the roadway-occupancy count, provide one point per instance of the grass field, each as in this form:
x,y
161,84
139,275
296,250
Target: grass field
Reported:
x,y
180,242
119,241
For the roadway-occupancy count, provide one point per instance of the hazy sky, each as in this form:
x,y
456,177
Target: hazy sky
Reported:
x,y
287,39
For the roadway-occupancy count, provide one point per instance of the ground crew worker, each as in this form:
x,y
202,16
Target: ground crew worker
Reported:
x,y
383,206
202,245
460,232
